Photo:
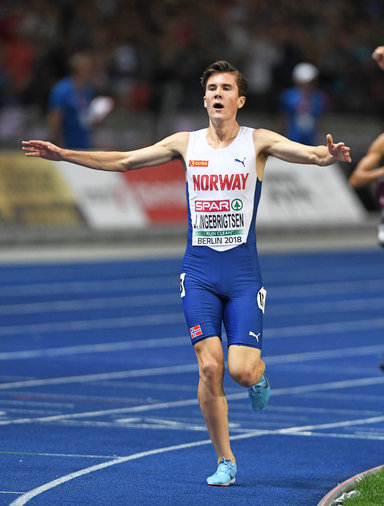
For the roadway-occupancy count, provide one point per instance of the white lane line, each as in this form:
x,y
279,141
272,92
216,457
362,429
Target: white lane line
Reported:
x,y
144,424
332,385
96,348
289,273
20,501
66,455
335,385
361,286
174,341
306,356
98,323
104,303
89,303
129,284
177,369
10,492
113,411
91,286
326,328
320,307
345,423
164,319
26,497
294,357
368,437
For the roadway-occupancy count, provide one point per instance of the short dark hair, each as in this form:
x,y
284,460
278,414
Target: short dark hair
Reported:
x,y
221,66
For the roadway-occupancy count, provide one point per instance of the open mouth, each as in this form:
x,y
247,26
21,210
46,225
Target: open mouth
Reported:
x,y
218,106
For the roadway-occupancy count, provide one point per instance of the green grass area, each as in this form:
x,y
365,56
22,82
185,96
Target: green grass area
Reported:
x,y
371,490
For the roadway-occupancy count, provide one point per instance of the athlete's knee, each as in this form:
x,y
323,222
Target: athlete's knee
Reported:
x,y
211,370
244,377
247,374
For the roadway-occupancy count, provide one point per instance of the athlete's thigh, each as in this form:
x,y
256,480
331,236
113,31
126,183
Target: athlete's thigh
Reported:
x,y
203,309
243,318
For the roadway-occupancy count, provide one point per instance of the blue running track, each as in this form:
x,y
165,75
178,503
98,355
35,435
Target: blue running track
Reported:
x,y
98,385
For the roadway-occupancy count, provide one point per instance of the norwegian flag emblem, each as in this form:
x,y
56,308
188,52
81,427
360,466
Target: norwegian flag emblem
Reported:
x,y
195,331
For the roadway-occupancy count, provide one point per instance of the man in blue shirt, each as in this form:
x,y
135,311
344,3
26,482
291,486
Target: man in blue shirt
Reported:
x,y
69,103
302,106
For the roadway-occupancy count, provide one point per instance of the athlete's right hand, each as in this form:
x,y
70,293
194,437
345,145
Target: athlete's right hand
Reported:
x,y
43,149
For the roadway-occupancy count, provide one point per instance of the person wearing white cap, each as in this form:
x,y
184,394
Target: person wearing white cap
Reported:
x,y
302,106
304,73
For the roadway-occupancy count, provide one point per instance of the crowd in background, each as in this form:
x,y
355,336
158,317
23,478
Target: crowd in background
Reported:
x,y
150,53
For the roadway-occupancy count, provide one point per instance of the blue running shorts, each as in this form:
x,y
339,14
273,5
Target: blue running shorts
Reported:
x,y
223,287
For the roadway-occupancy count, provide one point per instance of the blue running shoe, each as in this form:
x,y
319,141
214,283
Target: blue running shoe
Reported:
x,y
259,394
225,474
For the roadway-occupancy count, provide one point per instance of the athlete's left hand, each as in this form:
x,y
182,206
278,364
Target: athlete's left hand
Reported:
x,y
339,151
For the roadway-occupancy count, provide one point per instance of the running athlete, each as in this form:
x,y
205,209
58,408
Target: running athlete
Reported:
x,y
220,279
371,169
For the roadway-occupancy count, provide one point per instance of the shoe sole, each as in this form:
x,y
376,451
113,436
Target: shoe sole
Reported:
x,y
222,484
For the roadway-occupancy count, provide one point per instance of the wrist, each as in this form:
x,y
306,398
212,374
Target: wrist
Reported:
x,y
64,154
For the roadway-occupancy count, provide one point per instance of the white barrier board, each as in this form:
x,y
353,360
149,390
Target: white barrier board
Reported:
x,y
103,197
297,194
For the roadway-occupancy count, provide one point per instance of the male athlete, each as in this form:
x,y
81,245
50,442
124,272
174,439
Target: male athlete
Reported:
x,y
220,279
370,168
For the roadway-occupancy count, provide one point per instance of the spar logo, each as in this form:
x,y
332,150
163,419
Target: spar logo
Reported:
x,y
237,204
212,206
198,163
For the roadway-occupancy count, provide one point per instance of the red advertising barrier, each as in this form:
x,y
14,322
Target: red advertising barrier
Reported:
x,y
160,192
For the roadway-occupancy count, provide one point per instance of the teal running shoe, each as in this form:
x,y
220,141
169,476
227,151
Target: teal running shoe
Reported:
x,y
225,474
259,394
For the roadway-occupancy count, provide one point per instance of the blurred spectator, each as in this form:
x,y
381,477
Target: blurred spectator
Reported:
x,y
262,57
19,49
302,106
147,50
71,114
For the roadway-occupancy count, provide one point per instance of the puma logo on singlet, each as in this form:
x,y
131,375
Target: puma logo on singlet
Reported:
x,y
241,161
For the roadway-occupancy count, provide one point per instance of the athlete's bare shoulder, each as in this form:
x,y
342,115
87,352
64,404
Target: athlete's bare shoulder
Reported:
x,y
265,135
377,145
263,139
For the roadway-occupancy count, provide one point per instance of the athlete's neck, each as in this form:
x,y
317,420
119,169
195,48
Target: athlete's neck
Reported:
x,y
221,135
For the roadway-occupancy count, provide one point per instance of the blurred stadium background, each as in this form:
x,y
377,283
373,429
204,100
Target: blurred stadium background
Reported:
x,y
150,55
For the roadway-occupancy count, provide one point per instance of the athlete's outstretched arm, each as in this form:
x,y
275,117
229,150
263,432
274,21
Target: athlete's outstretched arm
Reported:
x,y
279,146
168,149
369,169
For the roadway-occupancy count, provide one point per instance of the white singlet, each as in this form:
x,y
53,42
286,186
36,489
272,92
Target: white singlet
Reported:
x,y
221,189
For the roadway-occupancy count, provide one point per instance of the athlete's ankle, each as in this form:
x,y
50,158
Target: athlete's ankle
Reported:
x,y
230,458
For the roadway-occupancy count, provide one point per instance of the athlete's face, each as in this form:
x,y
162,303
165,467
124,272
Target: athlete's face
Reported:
x,y
222,96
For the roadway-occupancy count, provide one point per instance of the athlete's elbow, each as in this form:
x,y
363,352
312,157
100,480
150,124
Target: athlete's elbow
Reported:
x,y
355,181
125,164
